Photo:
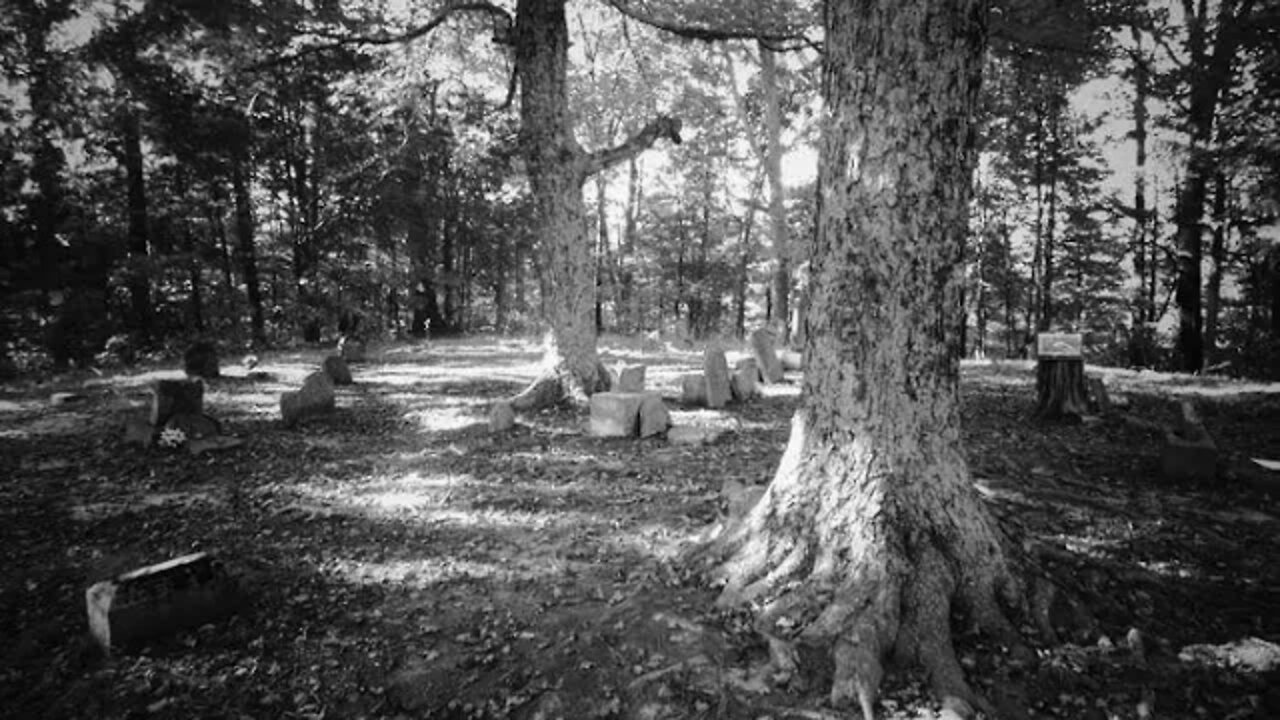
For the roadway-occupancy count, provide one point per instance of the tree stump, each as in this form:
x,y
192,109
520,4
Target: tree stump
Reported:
x,y
1060,383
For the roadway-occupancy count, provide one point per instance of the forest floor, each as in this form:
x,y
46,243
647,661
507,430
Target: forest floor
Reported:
x,y
402,561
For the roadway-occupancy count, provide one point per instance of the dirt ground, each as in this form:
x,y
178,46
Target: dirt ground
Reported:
x,y
401,561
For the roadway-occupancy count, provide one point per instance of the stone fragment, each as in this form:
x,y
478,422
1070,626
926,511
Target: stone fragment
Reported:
x,y
314,398
336,368
745,376
59,399
216,442
194,425
693,435
791,360
693,389
716,370
614,414
201,360
175,397
766,356
502,417
630,379
654,418
159,600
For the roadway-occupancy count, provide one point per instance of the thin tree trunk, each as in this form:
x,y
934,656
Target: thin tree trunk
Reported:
x,y
247,247
781,307
139,247
1217,259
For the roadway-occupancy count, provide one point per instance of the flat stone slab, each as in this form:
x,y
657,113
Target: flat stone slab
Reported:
x,y
693,435
159,600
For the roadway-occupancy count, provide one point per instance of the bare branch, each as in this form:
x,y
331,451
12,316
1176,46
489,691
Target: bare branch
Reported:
x,y
783,38
663,126
339,40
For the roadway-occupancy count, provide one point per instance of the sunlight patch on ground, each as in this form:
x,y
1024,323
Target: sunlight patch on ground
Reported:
x,y
448,418
417,573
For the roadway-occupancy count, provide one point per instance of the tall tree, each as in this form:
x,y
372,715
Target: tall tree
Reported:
x,y
870,532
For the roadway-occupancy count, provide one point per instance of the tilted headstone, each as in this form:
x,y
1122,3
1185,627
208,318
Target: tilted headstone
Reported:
x,y
336,368
314,398
159,600
630,379
201,360
745,376
502,417
614,414
716,370
654,418
766,356
693,389
175,397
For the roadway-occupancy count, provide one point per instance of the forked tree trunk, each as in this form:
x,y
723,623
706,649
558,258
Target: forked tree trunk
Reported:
x,y
870,532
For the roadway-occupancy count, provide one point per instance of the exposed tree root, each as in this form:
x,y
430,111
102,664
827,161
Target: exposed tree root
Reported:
x,y
842,576
557,386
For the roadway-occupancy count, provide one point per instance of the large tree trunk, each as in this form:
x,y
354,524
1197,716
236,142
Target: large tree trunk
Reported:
x,y
871,532
558,167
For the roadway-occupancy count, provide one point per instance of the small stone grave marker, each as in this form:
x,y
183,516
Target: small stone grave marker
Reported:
x,y
314,398
693,389
766,356
654,418
614,414
201,360
502,417
175,397
745,376
716,370
630,379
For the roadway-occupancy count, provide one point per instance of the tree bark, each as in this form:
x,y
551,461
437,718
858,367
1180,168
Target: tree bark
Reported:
x,y
558,167
870,532
778,229
1217,261
139,247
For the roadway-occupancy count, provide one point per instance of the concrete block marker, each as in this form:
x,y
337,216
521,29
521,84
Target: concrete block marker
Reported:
x,y
159,600
615,414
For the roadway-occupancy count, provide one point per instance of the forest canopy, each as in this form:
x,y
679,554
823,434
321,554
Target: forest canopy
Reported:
x,y
269,173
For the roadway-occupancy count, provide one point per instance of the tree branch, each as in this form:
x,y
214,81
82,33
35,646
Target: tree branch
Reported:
x,y
339,40
783,38
660,127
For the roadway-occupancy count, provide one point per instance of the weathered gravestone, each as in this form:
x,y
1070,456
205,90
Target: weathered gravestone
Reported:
x,y
502,417
716,370
693,389
766,356
1189,453
745,376
314,398
630,379
175,397
159,600
614,414
201,360
791,360
336,368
